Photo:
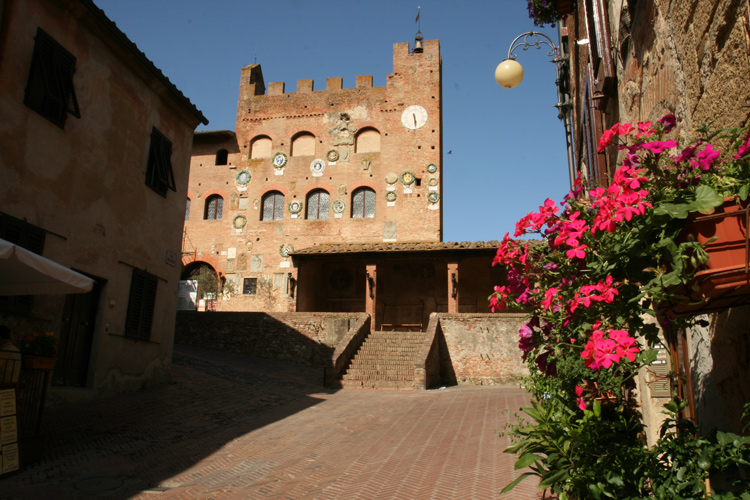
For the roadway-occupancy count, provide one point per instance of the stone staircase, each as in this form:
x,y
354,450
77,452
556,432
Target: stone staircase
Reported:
x,y
385,360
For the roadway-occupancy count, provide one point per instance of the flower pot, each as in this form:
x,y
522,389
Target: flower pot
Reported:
x,y
724,281
39,362
565,7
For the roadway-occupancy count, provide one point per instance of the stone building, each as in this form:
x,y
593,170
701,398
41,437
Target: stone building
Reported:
x,y
94,155
277,207
637,61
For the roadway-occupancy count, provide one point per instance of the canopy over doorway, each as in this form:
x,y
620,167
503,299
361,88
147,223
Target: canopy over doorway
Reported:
x,y
25,273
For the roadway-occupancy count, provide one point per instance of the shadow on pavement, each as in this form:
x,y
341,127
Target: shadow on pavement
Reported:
x,y
134,442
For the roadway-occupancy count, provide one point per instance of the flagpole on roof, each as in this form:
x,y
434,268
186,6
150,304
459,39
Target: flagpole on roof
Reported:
x,y
418,38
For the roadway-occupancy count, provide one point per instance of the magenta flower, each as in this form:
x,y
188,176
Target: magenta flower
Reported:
x,y
668,122
706,157
657,147
744,149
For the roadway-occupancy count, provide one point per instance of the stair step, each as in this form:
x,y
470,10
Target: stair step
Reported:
x,y
382,384
384,360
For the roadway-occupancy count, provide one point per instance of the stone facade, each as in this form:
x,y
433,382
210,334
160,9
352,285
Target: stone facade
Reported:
x,y
321,149
637,61
75,178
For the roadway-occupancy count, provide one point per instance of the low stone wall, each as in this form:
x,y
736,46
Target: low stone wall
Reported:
x,y
481,349
305,338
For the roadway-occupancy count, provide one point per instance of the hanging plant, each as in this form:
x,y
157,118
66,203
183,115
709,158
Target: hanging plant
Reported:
x,y
549,11
607,258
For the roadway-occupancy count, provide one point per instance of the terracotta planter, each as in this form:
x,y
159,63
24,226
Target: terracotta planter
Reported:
x,y
565,7
39,362
725,279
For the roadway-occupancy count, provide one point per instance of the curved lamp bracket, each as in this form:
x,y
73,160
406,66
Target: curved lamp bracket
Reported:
x,y
536,42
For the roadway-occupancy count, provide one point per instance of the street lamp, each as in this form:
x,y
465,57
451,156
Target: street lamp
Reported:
x,y
509,74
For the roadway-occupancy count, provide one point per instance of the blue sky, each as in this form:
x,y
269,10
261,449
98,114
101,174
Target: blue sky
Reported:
x,y
508,146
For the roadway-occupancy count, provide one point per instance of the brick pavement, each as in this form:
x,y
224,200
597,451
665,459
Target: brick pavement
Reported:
x,y
265,431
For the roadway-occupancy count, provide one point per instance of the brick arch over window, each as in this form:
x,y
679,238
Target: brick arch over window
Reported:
x,y
367,141
213,208
363,203
317,204
222,156
272,206
261,147
303,144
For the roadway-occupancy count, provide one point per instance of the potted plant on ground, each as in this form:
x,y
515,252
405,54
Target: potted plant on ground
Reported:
x,y
39,350
608,256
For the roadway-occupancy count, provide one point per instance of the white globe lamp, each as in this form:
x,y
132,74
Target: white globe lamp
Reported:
x,y
509,73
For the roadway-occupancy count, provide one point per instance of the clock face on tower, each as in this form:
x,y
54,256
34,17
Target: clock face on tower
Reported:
x,y
414,117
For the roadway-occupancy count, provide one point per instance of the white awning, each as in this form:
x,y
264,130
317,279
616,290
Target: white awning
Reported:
x,y
26,273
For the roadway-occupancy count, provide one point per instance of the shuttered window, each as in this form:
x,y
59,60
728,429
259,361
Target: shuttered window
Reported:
x,y
159,175
49,89
140,314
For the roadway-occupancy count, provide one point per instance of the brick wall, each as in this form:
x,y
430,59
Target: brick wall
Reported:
x,y
482,349
333,116
305,338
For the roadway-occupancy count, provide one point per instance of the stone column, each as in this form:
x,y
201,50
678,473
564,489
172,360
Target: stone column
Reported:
x,y
371,295
452,287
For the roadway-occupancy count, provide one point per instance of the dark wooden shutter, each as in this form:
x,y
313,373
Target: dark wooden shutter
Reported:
x,y
141,305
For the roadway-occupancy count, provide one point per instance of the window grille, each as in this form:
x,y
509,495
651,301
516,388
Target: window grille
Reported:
x,y
249,286
318,203
363,203
187,210
214,207
273,206
49,88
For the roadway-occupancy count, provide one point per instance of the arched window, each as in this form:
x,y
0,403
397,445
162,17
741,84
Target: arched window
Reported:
x,y
368,141
363,203
260,147
222,156
214,206
273,206
187,210
318,202
303,144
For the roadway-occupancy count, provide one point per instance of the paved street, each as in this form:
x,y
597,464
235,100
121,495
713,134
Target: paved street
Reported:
x,y
255,429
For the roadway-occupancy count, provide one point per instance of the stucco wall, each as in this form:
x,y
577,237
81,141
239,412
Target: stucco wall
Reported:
x,y
85,183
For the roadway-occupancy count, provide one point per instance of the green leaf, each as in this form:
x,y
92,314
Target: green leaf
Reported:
x,y
649,356
516,481
527,459
724,438
558,477
704,460
681,473
706,199
673,210
744,191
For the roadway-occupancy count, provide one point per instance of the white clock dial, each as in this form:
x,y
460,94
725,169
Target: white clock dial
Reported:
x,y
414,117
